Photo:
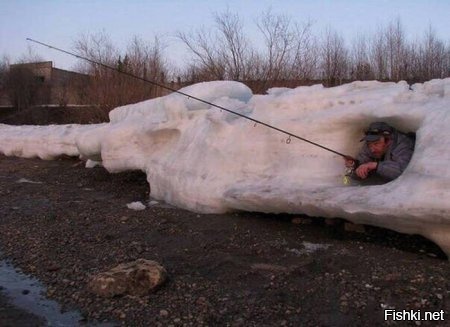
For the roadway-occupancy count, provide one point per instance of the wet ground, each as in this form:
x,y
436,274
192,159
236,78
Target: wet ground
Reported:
x,y
61,223
25,298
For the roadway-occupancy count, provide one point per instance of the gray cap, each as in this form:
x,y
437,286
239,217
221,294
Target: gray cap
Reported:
x,y
376,131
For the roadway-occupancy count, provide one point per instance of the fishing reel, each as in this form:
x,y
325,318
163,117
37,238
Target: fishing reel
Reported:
x,y
349,173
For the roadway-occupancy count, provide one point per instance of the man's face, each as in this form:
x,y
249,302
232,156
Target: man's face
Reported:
x,y
378,148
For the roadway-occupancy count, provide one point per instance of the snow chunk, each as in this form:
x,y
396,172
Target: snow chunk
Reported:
x,y
138,205
24,180
177,106
309,248
92,163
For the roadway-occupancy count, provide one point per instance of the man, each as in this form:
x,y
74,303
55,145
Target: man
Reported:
x,y
384,156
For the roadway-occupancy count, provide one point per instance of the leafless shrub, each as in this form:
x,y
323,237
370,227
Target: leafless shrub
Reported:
x,y
108,88
29,56
24,89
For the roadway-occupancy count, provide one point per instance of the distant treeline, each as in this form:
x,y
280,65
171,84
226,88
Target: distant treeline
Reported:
x,y
291,54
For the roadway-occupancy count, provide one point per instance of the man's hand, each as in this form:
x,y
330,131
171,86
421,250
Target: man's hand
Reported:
x,y
364,170
349,162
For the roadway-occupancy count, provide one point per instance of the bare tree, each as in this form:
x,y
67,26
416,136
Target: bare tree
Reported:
x,y
291,51
208,63
98,47
102,89
414,61
221,53
235,48
279,39
396,54
146,61
305,53
447,60
377,55
334,58
4,68
29,56
433,56
361,68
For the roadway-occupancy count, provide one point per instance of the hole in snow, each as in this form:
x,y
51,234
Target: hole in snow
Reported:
x,y
382,157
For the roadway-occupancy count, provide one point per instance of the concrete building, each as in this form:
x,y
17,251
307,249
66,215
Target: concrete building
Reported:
x,y
44,84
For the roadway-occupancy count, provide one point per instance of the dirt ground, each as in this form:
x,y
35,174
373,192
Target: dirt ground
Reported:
x,y
237,269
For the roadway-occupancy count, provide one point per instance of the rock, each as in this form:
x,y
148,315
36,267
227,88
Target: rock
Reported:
x,y
53,267
392,277
350,227
301,220
163,313
296,221
138,278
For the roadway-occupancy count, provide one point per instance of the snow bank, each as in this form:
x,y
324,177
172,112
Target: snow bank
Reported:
x,y
45,142
206,160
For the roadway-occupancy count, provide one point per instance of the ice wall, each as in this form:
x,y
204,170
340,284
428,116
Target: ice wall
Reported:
x,y
207,160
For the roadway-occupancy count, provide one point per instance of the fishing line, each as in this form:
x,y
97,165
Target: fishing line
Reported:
x,y
288,140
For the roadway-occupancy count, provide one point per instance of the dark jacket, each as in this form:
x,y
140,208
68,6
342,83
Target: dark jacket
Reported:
x,y
396,158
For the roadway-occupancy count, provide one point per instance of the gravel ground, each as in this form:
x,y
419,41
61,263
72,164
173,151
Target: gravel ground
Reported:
x,y
238,269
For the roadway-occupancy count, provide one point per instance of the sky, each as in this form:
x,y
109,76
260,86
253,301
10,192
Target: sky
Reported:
x,y
60,23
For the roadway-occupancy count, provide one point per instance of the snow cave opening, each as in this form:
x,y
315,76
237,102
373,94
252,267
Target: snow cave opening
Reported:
x,y
406,128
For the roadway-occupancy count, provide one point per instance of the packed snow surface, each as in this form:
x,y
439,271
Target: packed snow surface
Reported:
x,y
211,161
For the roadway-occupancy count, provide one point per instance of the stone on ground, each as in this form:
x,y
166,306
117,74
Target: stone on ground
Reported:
x,y
138,278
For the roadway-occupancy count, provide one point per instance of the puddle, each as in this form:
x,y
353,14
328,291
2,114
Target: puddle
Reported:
x,y
27,292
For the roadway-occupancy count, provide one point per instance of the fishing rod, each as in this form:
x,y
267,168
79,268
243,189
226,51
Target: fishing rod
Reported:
x,y
256,121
